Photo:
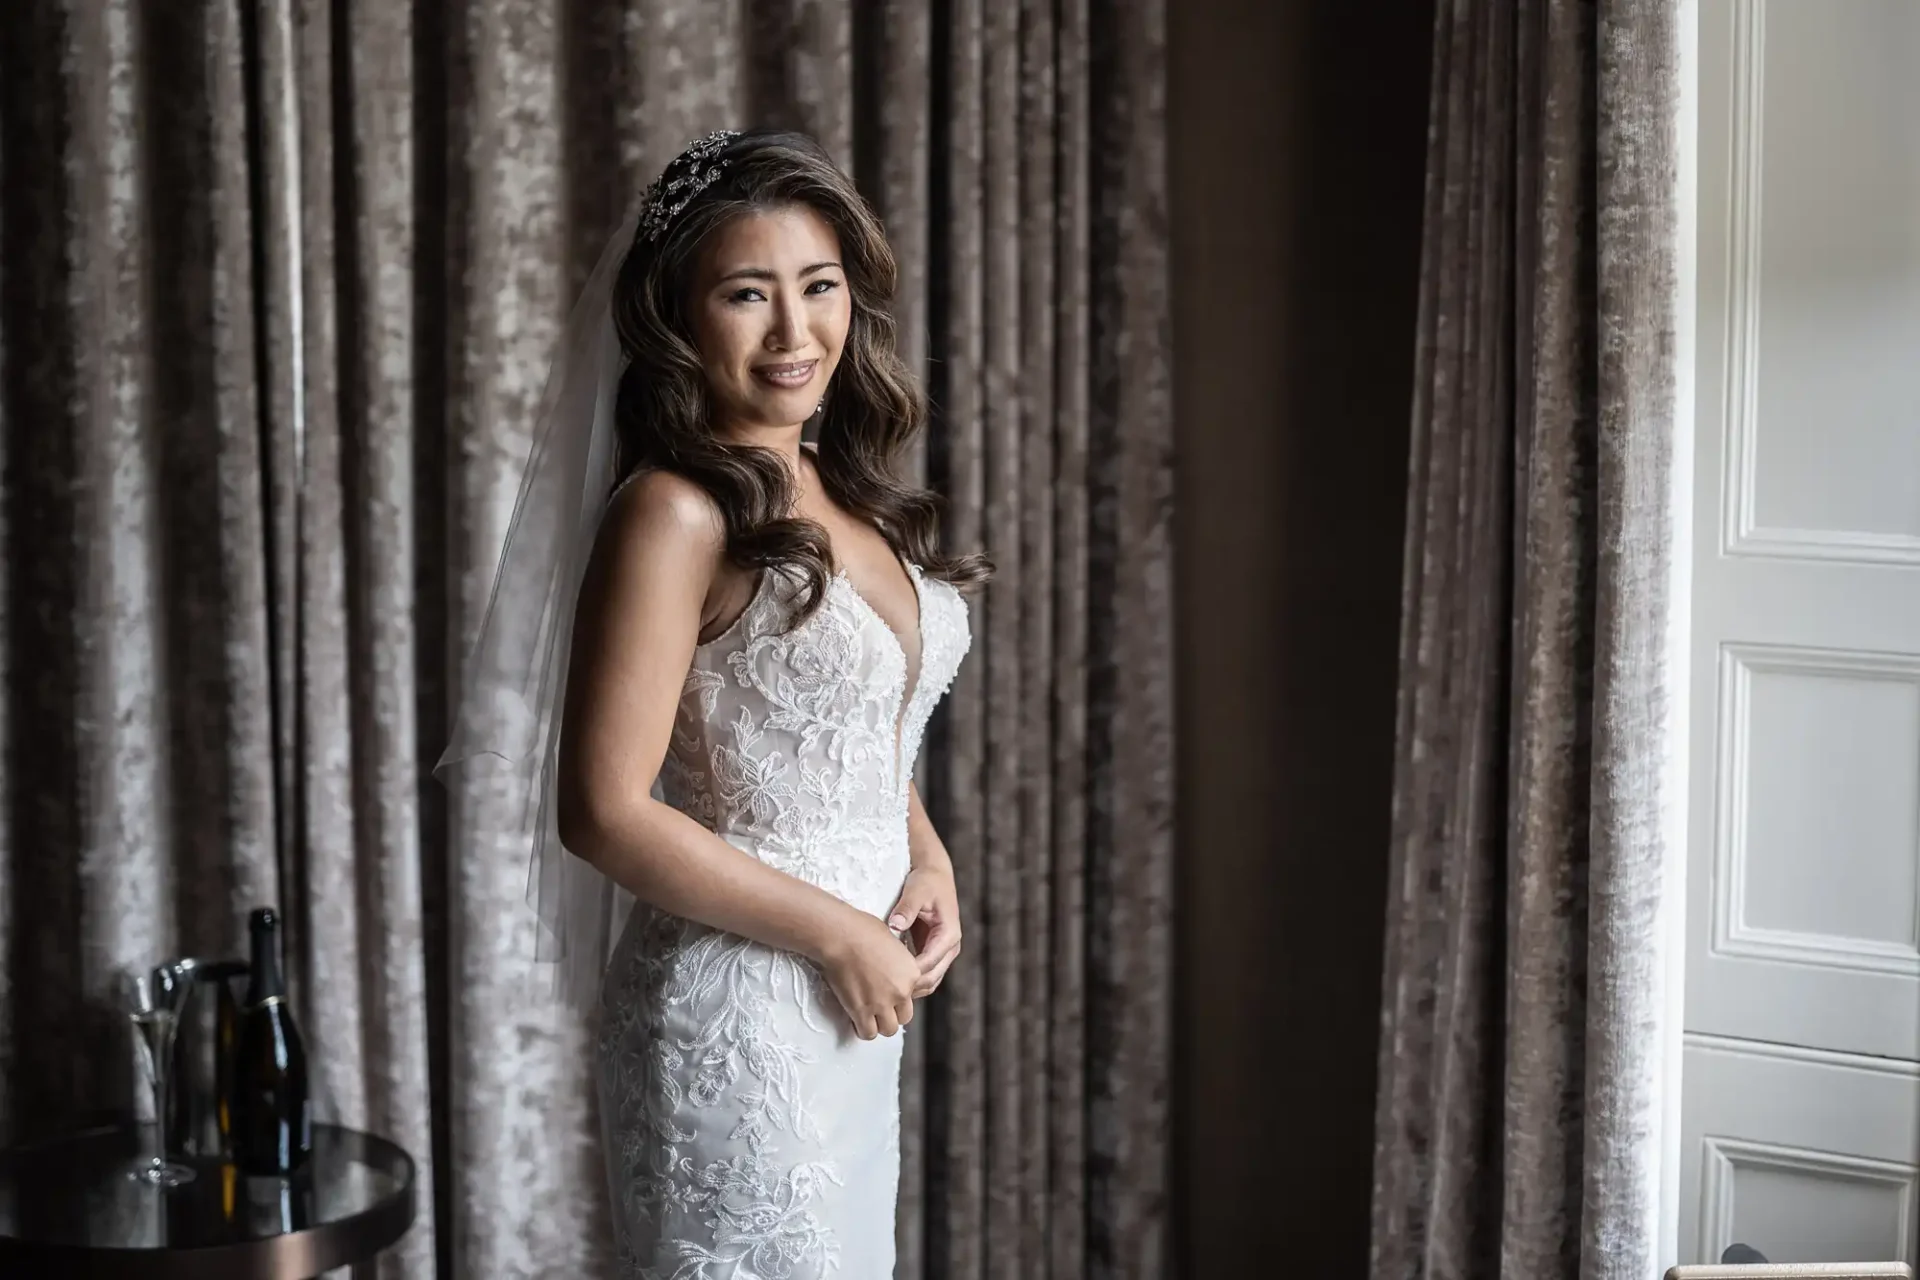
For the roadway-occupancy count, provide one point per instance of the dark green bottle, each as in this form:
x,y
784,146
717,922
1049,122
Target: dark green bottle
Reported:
x,y
272,1124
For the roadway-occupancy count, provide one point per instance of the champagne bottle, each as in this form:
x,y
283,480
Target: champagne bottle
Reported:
x,y
272,1128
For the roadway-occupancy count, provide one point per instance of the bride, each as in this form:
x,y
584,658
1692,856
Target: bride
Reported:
x,y
759,630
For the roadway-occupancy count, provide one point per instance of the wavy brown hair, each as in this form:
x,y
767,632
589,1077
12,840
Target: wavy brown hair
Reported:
x,y
873,406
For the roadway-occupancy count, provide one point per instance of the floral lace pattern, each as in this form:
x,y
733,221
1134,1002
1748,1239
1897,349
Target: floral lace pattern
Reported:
x,y
750,1134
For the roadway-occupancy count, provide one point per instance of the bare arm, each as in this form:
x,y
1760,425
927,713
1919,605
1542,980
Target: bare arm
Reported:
x,y
924,845
635,630
929,902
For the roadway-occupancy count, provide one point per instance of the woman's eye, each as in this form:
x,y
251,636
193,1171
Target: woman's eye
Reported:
x,y
752,294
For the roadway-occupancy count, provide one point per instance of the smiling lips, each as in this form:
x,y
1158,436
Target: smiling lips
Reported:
x,y
796,374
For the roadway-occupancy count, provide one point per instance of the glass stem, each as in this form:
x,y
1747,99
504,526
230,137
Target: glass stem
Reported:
x,y
160,1106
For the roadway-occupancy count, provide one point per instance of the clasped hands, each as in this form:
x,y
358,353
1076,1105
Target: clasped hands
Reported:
x,y
877,974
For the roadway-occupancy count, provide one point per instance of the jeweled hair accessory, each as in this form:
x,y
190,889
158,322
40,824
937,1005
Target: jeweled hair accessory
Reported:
x,y
686,176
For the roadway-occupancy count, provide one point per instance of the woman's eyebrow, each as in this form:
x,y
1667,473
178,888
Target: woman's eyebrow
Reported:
x,y
767,273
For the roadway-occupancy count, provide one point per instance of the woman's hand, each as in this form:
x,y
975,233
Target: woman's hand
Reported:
x,y
930,906
873,974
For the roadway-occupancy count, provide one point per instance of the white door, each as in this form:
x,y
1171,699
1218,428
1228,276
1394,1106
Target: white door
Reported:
x,y
1803,937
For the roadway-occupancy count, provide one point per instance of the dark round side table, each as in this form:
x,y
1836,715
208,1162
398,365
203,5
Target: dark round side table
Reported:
x,y
68,1209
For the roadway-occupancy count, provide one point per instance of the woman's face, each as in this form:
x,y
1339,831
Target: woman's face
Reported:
x,y
769,314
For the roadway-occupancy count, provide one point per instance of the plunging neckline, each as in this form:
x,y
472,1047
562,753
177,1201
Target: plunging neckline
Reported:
x,y
909,689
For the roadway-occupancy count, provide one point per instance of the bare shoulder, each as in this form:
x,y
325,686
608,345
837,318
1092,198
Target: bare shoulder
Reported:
x,y
658,513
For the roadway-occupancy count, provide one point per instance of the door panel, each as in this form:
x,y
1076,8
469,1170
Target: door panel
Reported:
x,y
1806,1156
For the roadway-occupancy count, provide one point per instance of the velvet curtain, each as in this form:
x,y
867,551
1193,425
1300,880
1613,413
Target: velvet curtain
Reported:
x,y
278,287
1524,1076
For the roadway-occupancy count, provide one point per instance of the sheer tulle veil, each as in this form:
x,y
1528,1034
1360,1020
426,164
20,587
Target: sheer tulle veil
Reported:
x,y
507,716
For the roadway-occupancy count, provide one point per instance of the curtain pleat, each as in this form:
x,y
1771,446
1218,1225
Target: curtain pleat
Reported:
x,y
1005,879
526,1198
957,1165
278,288
1130,617
45,1028
1030,453
1637,283
1068,1200
274,260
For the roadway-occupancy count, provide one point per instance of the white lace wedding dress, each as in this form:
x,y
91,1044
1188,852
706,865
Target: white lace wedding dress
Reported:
x,y
750,1134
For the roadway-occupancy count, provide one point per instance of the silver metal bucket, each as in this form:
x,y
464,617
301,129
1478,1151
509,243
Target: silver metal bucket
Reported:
x,y
198,1092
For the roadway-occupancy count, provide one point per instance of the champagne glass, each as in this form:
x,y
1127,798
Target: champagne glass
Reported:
x,y
153,1000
